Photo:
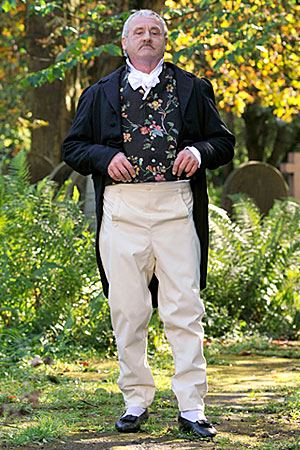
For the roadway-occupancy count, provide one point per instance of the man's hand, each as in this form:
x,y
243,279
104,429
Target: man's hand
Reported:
x,y
120,169
185,161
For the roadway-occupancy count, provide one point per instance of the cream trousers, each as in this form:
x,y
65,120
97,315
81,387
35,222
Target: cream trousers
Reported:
x,y
148,228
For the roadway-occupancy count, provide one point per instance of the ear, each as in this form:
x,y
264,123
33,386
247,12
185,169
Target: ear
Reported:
x,y
124,44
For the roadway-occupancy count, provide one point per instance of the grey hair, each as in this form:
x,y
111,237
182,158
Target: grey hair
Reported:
x,y
145,13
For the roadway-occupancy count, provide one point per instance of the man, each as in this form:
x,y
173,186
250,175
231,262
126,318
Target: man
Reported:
x,y
146,133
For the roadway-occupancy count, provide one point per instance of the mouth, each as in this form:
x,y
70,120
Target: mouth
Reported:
x,y
146,45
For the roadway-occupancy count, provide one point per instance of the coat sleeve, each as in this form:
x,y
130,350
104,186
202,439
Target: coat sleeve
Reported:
x,y
80,148
217,146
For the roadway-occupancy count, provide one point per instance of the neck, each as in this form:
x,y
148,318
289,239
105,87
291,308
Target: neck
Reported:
x,y
145,66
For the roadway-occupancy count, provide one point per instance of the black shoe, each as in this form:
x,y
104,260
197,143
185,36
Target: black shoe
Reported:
x,y
131,424
201,428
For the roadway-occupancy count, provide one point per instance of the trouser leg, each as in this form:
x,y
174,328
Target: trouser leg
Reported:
x,y
177,251
128,262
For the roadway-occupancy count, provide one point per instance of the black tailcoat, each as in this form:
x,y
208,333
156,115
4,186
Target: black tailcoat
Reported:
x,y
96,137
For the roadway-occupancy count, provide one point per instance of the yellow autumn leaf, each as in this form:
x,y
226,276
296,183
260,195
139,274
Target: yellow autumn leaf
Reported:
x,y
243,94
240,105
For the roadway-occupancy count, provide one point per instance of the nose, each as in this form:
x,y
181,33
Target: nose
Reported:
x,y
147,35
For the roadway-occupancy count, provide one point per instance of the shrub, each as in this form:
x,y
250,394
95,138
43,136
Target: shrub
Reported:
x,y
254,271
47,258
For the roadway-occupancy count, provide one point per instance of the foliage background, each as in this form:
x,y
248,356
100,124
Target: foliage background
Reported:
x,y
248,48
50,290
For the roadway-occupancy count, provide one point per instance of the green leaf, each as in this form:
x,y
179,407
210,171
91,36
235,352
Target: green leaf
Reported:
x,y
177,55
59,72
7,5
219,63
174,35
113,49
93,53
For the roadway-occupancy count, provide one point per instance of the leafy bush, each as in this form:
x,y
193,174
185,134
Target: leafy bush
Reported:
x,y
254,271
47,258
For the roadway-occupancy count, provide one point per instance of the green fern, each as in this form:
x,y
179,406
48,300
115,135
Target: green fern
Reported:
x,y
250,264
18,170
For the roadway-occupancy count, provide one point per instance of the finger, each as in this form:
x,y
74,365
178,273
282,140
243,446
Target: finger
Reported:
x,y
120,168
130,168
115,174
193,170
124,166
124,172
118,173
189,165
183,165
112,167
177,162
111,173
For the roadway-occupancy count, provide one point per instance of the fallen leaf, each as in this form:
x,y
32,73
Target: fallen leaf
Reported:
x,y
36,361
32,397
53,379
48,360
84,363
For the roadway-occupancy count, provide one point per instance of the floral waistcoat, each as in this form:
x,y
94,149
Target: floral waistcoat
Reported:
x,y
151,127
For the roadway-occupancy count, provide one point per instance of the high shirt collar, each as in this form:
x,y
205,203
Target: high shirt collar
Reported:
x,y
156,71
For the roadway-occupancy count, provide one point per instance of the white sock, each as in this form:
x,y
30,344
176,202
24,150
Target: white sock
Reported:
x,y
134,411
193,415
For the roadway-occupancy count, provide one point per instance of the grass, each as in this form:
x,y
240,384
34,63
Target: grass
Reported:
x,y
254,400
42,429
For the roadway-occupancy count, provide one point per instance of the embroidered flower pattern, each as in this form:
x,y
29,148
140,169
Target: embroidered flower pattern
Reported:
x,y
127,137
144,130
155,127
157,171
155,130
137,164
155,104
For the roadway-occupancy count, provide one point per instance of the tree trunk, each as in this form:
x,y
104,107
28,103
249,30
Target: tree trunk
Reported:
x,y
279,145
267,138
51,111
256,118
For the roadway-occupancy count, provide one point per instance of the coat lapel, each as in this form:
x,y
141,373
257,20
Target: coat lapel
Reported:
x,y
112,89
184,87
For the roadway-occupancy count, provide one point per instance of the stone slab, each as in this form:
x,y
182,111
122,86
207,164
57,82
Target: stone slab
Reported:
x,y
260,181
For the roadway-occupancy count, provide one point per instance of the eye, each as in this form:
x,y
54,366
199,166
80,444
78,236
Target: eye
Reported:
x,y
155,32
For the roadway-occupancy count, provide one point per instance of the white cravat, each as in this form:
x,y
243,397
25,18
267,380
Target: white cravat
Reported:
x,y
147,81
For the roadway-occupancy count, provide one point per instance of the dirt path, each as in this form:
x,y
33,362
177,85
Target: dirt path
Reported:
x,y
246,403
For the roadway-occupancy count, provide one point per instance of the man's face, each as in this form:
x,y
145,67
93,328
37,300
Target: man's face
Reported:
x,y
145,40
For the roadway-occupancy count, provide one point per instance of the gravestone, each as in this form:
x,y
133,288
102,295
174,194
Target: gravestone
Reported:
x,y
84,185
61,173
292,168
260,181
